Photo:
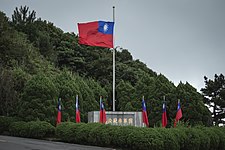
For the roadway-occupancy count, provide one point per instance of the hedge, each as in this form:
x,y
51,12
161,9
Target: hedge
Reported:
x,y
32,129
128,137
5,122
125,137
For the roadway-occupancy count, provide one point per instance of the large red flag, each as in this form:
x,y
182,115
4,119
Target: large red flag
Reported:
x,y
77,111
164,116
102,116
179,114
97,33
144,113
58,119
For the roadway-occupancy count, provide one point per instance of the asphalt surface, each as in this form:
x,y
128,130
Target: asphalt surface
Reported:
x,y
17,143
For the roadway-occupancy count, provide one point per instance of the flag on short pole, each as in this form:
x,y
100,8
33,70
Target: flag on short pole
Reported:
x,y
97,33
164,116
179,114
58,119
102,116
144,113
77,111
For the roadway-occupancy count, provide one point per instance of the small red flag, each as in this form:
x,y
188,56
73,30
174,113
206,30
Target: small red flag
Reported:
x,y
179,114
97,33
164,116
77,111
102,115
58,119
144,113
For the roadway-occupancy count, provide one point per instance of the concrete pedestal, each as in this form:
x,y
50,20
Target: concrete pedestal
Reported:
x,y
118,118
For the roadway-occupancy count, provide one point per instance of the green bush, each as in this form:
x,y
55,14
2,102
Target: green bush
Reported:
x,y
40,129
145,138
19,129
129,137
5,122
101,135
181,136
214,138
193,140
169,139
120,136
221,133
33,129
67,131
204,138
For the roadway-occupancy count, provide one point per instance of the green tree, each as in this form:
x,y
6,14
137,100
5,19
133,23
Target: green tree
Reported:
x,y
22,16
214,97
125,94
193,108
38,100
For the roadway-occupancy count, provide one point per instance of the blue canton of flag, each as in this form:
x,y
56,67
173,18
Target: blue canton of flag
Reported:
x,y
105,27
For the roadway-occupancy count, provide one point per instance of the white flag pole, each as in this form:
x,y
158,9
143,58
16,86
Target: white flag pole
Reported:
x,y
114,66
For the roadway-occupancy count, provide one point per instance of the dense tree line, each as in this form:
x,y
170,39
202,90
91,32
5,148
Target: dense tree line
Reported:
x,y
39,63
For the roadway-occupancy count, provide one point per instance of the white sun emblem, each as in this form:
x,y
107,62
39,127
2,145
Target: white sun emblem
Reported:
x,y
105,27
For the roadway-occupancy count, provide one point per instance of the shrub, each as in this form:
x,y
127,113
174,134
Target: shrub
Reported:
x,y
181,136
120,136
40,129
67,131
5,122
204,138
169,139
19,129
101,135
145,138
193,140
33,129
220,136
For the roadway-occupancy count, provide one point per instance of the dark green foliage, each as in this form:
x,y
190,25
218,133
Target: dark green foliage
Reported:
x,y
181,137
220,131
120,136
204,140
169,139
22,17
193,140
19,129
214,97
125,95
38,99
33,129
214,138
143,138
129,137
5,123
101,135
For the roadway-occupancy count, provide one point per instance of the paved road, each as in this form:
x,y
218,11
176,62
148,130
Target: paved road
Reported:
x,y
17,143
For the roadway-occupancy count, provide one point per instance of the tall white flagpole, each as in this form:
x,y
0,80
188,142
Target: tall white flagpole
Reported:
x,y
114,66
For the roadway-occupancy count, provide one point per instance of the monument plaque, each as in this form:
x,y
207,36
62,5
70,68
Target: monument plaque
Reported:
x,y
118,118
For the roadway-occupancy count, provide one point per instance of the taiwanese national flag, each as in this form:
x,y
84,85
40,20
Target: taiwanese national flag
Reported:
x,y
164,116
179,114
77,111
98,33
102,116
58,119
144,113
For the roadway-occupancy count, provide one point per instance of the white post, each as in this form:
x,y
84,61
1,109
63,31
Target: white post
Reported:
x,y
114,66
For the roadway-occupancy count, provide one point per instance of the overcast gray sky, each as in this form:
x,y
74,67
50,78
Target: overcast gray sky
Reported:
x,y
182,39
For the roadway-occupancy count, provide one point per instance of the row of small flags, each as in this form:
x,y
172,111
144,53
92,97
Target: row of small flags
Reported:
x,y
102,114
164,115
